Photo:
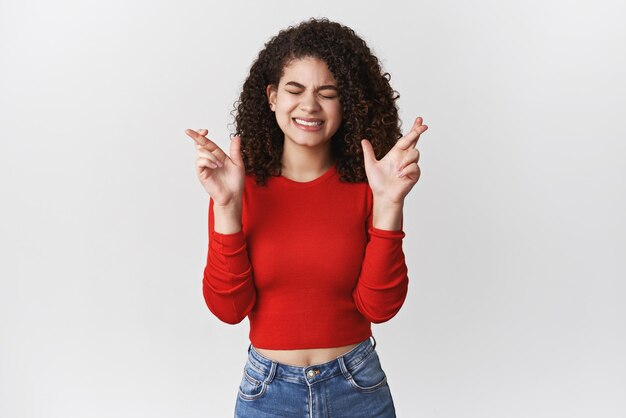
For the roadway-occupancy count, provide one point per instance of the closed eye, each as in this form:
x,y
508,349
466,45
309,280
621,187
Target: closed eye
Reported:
x,y
325,97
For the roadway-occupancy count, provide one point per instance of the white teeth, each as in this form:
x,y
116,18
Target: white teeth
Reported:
x,y
303,122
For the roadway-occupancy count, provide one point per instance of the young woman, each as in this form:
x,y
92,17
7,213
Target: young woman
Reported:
x,y
305,223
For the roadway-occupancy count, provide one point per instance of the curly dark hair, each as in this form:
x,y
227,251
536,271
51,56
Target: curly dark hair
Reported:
x,y
367,99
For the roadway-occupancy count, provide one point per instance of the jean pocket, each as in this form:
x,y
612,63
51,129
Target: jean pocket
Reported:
x,y
253,383
368,375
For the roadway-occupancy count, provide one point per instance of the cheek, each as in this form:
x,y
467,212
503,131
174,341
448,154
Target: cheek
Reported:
x,y
285,107
283,119
337,112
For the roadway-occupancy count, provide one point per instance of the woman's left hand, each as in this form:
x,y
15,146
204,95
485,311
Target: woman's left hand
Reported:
x,y
392,177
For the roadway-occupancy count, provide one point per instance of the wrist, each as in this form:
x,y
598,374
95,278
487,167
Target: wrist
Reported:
x,y
387,215
233,204
227,218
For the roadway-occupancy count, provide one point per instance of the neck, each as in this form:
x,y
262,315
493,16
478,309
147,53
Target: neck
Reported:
x,y
301,163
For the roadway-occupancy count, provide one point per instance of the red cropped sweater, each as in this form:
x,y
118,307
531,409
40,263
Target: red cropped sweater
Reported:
x,y
308,268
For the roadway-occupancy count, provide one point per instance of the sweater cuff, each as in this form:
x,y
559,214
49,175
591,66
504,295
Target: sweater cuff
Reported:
x,y
229,241
383,233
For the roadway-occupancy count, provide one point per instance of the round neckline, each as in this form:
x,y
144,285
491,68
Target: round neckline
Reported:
x,y
303,184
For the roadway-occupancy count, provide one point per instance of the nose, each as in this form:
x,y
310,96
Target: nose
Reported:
x,y
309,102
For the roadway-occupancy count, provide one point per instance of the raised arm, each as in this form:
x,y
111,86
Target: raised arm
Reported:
x,y
382,285
227,284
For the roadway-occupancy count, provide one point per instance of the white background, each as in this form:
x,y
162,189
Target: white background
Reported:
x,y
515,232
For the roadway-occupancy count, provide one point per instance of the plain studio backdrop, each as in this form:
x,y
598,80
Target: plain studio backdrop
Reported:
x,y
515,233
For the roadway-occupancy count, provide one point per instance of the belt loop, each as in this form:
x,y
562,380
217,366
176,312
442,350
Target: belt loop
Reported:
x,y
344,367
249,347
272,372
374,343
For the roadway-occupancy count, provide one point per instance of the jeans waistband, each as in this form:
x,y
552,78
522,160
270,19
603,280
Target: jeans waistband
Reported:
x,y
314,373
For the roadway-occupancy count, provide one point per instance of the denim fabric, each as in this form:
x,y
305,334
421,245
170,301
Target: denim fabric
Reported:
x,y
352,385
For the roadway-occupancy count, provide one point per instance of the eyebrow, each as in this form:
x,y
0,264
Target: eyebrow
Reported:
x,y
300,86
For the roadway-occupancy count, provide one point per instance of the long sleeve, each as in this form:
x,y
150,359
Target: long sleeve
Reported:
x,y
228,284
383,282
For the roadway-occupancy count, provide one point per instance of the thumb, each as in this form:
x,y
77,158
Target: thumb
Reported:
x,y
368,152
235,151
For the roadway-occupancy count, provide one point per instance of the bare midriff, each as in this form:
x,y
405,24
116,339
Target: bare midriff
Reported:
x,y
305,357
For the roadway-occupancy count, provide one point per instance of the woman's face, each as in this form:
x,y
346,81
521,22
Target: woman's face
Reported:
x,y
306,102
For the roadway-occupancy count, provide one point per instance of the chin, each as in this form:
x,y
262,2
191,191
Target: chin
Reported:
x,y
307,140
310,143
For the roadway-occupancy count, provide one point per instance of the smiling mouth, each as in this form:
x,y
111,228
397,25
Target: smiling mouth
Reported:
x,y
308,123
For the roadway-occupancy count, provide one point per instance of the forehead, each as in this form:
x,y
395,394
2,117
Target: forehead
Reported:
x,y
307,71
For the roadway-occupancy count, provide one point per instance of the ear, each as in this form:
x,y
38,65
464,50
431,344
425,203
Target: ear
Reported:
x,y
271,96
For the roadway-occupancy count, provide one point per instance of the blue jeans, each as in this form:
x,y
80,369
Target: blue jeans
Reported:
x,y
352,385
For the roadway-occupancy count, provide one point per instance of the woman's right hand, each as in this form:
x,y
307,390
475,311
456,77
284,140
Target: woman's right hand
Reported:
x,y
221,176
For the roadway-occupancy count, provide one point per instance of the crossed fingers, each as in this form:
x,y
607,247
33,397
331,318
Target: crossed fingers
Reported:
x,y
205,143
410,139
410,155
